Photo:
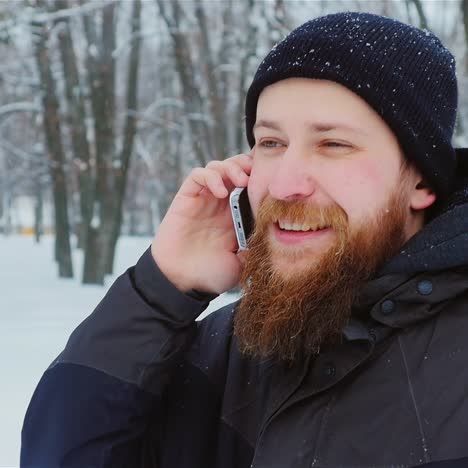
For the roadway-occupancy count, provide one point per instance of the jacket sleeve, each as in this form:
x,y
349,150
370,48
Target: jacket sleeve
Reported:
x,y
95,401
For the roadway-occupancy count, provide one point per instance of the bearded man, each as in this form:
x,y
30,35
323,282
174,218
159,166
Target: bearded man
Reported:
x,y
348,346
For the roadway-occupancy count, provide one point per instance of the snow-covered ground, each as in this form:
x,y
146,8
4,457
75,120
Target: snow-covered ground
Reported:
x,y
38,312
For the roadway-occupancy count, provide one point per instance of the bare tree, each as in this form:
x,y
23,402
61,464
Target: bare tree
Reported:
x,y
111,165
249,45
173,15
212,80
76,121
101,82
129,132
53,139
101,156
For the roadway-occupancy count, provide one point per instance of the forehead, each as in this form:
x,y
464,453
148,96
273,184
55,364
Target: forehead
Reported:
x,y
317,100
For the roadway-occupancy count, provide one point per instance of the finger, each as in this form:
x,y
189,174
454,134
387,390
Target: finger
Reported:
x,y
230,172
244,160
202,178
216,184
195,183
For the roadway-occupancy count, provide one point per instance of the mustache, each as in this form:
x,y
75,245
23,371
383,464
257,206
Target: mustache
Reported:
x,y
301,212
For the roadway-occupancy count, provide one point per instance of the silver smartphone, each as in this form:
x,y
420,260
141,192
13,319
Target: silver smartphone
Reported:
x,y
241,216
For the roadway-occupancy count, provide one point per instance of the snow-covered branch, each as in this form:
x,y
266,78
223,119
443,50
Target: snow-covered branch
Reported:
x,y
43,17
8,109
72,11
16,151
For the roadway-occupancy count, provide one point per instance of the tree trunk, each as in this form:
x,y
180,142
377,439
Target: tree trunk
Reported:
x,y
101,76
226,52
77,123
192,99
53,139
5,211
251,50
5,221
167,171
38,214
129,135
216,104
464,9
91,265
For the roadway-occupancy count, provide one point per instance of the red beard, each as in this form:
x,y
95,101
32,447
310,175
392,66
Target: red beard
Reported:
x,y
290,315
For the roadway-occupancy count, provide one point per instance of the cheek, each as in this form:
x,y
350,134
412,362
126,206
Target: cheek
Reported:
x,y
361,190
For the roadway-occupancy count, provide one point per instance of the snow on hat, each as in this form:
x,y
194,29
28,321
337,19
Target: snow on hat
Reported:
x,y
404,73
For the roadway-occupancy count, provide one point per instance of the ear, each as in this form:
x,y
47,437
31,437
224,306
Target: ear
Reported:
x,y
422,195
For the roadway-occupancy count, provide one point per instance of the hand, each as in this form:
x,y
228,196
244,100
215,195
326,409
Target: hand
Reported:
x,y
195,246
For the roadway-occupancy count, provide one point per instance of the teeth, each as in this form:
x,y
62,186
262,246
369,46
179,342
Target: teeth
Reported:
x,y
299,227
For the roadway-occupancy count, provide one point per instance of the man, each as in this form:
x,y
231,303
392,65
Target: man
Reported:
x,y
348,347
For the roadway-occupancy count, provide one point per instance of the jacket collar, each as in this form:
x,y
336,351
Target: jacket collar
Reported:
x,y
399,301
431,268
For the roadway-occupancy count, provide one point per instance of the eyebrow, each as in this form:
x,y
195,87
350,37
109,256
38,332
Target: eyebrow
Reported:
x,y
323,127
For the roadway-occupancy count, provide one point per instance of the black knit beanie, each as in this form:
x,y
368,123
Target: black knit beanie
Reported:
x,y
405,74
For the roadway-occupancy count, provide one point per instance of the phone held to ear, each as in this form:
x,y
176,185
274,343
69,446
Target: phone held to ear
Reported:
x,y
241,216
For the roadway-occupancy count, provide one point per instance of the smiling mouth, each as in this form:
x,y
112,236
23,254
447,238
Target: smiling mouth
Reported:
x,y
287,226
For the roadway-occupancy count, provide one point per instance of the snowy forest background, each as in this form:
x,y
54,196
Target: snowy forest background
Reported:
x,y
106,105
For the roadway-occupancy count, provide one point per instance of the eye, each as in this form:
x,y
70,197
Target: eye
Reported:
x,y
269,144
336,148
336,144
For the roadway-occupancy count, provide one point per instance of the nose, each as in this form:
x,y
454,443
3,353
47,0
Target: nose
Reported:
x,y
292,179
